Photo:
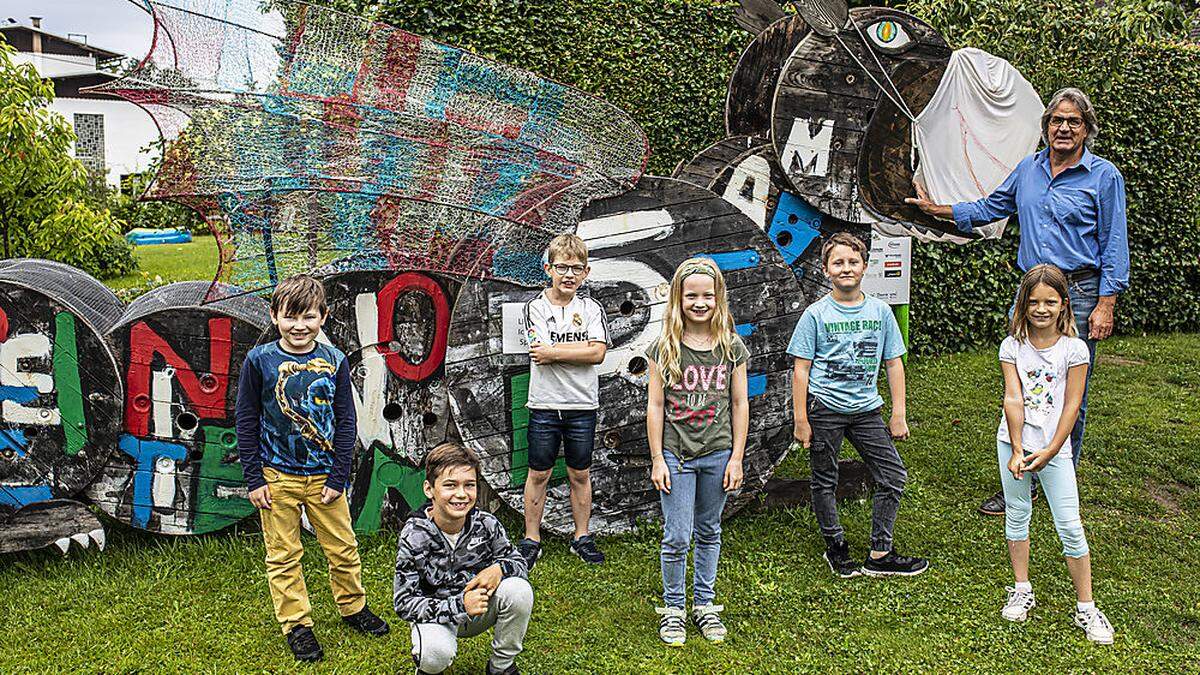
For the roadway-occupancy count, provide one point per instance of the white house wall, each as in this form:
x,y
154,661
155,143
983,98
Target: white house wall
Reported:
x,y
52,66
127,131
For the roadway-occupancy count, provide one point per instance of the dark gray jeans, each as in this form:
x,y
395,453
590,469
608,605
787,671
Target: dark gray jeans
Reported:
x,y
870,437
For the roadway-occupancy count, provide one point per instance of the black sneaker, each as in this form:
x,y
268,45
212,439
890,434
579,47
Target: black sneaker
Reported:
x,y
585,548
530,550
894,564
304,644
511,670
840,562
366,622
994,505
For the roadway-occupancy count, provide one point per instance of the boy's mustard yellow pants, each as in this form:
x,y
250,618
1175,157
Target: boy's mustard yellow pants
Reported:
x,y
281,533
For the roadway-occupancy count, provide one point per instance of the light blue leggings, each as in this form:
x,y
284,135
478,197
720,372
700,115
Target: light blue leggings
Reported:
x,y
1058,484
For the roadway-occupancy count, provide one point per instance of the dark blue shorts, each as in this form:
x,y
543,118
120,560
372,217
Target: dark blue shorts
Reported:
x,y
574,430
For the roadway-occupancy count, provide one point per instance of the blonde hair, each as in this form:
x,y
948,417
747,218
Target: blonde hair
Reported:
x,y
1057,281
566,246
721,324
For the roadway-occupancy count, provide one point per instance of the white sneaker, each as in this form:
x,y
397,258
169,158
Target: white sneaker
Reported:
x,y
672,627
1018,605
1095,625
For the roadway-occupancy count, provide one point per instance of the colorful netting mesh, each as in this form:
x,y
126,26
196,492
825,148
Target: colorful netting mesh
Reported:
x,y
327,142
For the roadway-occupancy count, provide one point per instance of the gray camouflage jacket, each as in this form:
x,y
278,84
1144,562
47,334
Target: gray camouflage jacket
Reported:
x,y
430,577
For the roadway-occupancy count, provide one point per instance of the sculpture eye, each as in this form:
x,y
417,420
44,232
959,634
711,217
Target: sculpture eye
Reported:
x,y
889,36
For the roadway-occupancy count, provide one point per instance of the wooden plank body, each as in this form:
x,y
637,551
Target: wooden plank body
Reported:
x,y
843,145
753,182
393,327
176,469
752,84
60,388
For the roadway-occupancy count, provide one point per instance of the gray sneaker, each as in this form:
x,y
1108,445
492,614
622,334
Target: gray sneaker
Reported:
x,y
708,620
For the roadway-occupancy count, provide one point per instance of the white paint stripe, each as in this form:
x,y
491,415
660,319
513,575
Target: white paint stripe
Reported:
x,y
369,407
622,228
162,490
12,351
754,168
161,398
25,346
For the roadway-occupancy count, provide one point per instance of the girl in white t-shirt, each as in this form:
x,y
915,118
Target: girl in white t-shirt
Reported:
x,y
1045,367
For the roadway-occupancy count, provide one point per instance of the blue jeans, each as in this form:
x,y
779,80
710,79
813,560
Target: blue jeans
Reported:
x,y
1085,295
692,510
1058,484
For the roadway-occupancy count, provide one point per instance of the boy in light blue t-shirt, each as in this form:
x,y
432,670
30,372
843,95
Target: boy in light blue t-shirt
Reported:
x,y
838,344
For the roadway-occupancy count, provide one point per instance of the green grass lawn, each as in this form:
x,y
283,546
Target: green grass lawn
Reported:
x,y
165,263
167,605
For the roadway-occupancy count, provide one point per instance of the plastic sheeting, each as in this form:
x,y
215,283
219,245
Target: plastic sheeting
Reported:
x,y
982,121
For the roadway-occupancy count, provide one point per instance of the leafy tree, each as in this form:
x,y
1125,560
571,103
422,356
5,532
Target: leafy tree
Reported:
x,y
44,207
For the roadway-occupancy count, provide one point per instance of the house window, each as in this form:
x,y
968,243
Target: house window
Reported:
x,y
89,144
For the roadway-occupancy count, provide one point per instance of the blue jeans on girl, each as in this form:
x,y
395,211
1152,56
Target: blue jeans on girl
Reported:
x,y
692,510
1058,484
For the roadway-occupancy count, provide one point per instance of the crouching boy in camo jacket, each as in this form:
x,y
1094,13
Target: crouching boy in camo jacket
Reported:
x,y
457,574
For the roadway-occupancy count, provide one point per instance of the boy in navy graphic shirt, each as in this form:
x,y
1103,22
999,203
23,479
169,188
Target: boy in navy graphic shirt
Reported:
x,y
296,430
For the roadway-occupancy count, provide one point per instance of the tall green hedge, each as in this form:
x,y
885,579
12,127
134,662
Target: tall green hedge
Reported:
x,y
667,63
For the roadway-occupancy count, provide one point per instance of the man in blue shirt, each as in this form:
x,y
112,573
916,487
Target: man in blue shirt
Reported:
x,y
1071,206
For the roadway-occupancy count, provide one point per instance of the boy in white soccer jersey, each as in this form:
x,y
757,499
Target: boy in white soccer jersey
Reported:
x,y
568,338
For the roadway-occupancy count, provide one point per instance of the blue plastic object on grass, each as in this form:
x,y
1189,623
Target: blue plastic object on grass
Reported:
x,y
143,236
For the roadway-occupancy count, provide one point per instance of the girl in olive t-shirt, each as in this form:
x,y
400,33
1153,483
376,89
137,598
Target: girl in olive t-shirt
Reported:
x,y
696,420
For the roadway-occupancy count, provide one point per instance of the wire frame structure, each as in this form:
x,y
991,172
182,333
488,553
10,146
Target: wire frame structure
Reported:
x,y
322,141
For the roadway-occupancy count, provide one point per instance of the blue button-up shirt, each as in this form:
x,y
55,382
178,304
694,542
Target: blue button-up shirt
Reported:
x,y
1074,221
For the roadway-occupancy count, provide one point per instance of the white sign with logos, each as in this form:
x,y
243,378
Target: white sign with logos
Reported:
x,y
516,334
889,271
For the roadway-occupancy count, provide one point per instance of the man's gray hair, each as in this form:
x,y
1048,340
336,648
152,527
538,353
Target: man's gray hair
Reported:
x,y
1082,102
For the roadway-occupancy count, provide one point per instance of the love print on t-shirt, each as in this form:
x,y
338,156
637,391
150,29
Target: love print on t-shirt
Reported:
x,y
698,385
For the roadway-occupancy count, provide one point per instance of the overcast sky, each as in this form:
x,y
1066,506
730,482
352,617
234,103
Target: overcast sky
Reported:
x,y
116,25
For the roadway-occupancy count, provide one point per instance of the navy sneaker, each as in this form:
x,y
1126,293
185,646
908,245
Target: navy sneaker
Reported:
x,y
585,548
893,564
366,622
304,644
511,670
530,550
